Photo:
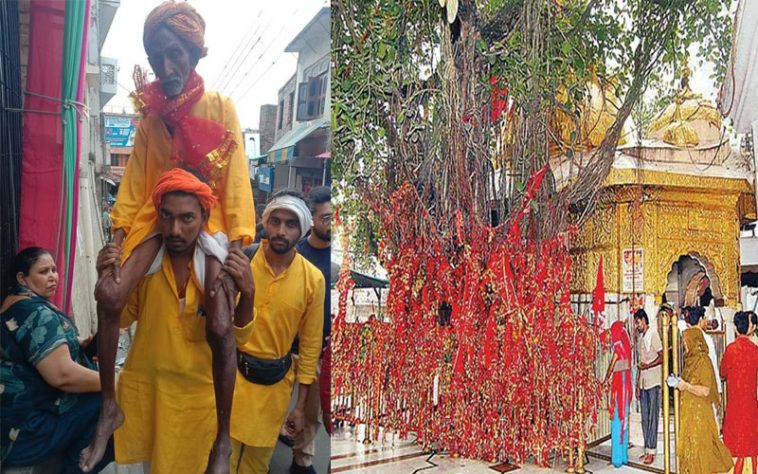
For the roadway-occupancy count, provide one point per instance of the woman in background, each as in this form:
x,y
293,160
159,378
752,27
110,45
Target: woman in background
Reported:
x,y
700,448
621,393
49,395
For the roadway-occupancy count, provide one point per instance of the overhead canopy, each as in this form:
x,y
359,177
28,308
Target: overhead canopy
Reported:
x,y
361,279
284,148
738,98
367,281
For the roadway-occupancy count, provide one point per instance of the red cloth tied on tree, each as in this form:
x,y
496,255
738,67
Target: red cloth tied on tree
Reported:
x,y
621,384
203,144
531,190
498,99
598,296
177,179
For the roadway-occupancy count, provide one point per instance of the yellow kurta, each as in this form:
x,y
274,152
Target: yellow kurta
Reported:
x,y
166,386
134,210
286,305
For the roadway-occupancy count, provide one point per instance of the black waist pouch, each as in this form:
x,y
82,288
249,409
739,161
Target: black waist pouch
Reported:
x,y
263,371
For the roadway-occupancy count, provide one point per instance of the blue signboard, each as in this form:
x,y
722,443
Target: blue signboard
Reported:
x,y
120,130
265,178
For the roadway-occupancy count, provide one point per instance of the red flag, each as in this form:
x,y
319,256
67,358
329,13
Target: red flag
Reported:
x,y
598,296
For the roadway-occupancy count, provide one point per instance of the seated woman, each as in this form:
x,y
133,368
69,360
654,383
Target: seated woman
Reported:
x,y
49,392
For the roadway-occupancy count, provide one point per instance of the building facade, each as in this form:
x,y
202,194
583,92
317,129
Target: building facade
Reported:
x,y
300,156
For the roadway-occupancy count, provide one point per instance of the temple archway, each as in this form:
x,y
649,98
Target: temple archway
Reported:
x,y
692,280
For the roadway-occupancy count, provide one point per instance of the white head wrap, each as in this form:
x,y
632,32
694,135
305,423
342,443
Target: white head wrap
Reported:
x,y
292,204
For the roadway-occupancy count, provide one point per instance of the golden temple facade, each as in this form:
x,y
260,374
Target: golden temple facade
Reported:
x,y
679,192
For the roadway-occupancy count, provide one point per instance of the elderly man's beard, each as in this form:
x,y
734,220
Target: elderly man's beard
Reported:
x,y
172,86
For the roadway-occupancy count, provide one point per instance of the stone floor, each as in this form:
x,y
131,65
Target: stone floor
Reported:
x,y
394,455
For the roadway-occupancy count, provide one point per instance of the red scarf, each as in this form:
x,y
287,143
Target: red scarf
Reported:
x,y
621,384
205,145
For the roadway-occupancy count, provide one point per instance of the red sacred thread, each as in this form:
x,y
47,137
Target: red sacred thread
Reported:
x,y
487,311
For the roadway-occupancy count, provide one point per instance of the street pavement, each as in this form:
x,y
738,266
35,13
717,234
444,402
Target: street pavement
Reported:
x,y
282,458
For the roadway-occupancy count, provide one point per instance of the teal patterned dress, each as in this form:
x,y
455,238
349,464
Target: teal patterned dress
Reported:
x,y
29,331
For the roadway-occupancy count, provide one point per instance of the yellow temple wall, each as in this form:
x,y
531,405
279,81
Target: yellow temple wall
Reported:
x,y
667,220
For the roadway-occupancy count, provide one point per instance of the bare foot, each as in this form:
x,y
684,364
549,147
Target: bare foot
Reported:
x,y
218,461
111,417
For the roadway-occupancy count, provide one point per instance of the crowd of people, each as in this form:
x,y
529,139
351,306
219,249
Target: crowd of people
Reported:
x,y
702,447
224,327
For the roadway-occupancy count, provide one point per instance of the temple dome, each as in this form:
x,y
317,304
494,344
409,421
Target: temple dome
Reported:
x,y
689,121
594,118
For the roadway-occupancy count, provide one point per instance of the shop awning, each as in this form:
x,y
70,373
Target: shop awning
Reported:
x,y
284,149
325,155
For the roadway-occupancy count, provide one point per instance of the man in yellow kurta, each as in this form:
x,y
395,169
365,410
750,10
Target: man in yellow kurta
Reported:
x,y
289,301
182,125
166,388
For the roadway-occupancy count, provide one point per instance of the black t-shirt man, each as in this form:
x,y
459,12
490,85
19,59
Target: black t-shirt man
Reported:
x,y
322,259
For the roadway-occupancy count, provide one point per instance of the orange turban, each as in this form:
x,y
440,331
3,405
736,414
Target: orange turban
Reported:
x,y
177,179
182,19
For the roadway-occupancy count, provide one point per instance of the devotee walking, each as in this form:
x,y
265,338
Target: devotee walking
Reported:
x,y
166,388
695,317
49,400
754,335
739,367
182,125
650,352
289,300
316,248
699,446
621,393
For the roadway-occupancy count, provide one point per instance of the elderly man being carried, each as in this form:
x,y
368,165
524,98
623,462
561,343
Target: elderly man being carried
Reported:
x,y
166,389
182,126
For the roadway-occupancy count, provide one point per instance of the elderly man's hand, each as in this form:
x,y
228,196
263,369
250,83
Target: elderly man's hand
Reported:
x,y
108,259
237,266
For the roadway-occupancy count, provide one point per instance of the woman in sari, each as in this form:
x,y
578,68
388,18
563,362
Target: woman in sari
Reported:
x,y
621,393
700,448
49,394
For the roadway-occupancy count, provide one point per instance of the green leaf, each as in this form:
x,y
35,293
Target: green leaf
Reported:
x,y
520,186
